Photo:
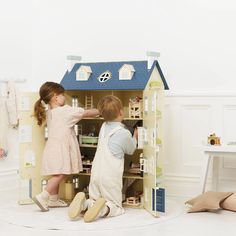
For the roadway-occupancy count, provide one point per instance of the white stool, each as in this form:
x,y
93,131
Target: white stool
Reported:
x,y
214,152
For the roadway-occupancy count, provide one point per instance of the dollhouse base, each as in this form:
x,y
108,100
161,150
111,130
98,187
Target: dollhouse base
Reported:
x,y
56,219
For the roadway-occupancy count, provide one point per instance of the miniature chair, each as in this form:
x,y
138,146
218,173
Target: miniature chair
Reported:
x,y
135,108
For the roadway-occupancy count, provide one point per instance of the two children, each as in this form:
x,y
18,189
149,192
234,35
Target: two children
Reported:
x,y
105,188
61,155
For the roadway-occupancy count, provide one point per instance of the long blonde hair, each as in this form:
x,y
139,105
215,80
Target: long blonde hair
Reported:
x,y
46,92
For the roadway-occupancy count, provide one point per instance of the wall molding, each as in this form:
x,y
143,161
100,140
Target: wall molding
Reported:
x,y
9,171
9,180
187,186
199,93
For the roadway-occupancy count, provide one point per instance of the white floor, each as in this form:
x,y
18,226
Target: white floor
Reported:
x,y
28,220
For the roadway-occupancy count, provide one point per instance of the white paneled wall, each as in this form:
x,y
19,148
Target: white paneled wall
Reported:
x,y
9,141
189,119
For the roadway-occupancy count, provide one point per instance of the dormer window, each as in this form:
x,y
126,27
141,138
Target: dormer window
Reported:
x,y
104,76
126,72
83,73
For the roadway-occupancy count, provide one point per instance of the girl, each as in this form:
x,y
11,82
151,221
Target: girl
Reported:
x,y
61,155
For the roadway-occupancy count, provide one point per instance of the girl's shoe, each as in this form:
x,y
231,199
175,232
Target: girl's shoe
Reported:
x,y
77,206
41,202
97,210
57,203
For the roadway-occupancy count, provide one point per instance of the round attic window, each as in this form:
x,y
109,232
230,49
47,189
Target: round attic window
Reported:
x,y
104,76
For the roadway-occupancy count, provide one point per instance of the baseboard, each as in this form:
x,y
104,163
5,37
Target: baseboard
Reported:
x,y
189,186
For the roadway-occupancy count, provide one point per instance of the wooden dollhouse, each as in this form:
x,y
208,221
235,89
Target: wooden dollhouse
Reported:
x,y
140,89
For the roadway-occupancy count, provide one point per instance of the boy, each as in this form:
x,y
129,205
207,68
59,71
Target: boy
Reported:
x,y
105,187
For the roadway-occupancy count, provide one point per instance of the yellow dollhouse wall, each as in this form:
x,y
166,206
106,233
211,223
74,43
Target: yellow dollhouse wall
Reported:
x,y
31,143
152,150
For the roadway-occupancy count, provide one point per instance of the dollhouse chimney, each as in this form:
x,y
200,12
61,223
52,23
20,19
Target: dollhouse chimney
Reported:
x,y
152,56
72,59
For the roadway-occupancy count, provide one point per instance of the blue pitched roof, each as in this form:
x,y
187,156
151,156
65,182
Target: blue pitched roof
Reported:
x,y
138,82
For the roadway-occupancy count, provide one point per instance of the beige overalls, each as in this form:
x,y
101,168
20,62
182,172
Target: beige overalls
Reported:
x,y
106,175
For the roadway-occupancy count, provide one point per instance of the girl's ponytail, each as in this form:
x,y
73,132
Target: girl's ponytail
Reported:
x,y
46,93
39,112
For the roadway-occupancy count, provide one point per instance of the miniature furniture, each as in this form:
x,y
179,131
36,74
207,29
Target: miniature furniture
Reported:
x,y
133,201
213,139
134,168
87,165
147,86
135,108
89,140
214,153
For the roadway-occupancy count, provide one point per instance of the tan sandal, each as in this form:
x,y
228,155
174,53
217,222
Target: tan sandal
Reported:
x,y
76,206
93,212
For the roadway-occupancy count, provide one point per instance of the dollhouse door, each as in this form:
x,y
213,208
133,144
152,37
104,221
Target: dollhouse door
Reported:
x,y
150,150
31,144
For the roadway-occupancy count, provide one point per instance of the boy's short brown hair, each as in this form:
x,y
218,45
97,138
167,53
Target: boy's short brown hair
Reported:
x,y
109,107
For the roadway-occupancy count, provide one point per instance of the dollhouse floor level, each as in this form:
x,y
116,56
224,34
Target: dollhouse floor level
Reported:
x,y
126,176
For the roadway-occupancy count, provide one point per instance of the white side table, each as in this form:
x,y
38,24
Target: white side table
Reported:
x,y
214,153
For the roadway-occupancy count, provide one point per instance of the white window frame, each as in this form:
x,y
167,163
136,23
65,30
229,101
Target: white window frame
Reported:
x,y
100,77
129,72
85,70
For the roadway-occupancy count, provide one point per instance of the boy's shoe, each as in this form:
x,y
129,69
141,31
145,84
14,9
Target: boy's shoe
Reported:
x,y
76,206
57,203
95,211
41,203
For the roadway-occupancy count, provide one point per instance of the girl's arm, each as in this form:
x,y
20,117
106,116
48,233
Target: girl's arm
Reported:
x,y
90,113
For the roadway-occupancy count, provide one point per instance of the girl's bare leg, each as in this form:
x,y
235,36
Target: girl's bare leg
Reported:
x,y
53,184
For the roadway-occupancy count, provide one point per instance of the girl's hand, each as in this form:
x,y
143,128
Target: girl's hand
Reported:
x,y
90,113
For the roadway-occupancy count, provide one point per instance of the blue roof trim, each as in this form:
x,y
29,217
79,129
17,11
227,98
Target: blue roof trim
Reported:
x,y
161,74
138,82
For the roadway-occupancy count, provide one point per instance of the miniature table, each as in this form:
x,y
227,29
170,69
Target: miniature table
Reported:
x,y
214,152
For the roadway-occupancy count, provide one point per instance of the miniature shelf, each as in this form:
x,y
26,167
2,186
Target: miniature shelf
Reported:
x,y
93,118
101,118
95,146
131,176
125,205
84,173
128,118
88,145
125,176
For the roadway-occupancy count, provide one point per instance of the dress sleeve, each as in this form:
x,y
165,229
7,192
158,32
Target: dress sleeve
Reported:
x,y
74,114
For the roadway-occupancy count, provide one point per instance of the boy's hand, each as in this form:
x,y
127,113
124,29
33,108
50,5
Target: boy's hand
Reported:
x,y
135,135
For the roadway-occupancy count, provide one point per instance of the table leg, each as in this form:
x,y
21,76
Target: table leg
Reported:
x,y
215,173
203,177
